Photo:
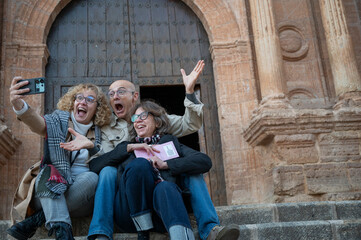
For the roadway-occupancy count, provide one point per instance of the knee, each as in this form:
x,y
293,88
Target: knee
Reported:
x,y
92,178
108,173
88,181
138,165
196,180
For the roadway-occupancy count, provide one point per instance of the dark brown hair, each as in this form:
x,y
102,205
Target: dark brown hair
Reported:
x,y
159,114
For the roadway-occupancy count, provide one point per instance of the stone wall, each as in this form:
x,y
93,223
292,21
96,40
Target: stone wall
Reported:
x,y
289,120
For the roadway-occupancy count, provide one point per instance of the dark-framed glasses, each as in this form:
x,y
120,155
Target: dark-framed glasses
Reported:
x,y
89,99
142,116
120,92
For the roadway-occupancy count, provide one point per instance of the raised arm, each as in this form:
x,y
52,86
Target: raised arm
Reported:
x,y
24,112
192,119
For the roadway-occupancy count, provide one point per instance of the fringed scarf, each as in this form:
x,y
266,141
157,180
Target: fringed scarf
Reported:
x,y
55,175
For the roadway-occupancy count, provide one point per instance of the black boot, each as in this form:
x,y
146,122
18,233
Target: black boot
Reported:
x,y
143,235
26,229
62,231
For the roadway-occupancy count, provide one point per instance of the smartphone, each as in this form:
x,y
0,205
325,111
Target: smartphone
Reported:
x,y
36,85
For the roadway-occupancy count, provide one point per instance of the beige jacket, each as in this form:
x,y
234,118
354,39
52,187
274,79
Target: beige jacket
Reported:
x,y
24,193
118,130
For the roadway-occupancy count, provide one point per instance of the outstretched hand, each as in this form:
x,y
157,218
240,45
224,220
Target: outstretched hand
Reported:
x,y
191,79
80,142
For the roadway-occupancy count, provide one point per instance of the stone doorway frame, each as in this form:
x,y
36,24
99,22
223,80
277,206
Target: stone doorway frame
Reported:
x,y
25,54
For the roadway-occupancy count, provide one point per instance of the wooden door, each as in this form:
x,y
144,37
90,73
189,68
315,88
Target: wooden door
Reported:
x,y
144,41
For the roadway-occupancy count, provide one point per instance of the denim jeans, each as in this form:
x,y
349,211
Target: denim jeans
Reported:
x,y
102,221
140,200
79,196
202,205
136,198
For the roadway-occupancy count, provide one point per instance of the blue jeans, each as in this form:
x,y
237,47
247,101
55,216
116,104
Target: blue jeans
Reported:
x,y
125,204
102,221
141,204
202,205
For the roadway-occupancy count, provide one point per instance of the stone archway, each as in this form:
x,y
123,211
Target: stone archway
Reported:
x,y
26,54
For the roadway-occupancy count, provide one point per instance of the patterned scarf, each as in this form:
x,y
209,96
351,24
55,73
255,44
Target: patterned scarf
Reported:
x,y
55,175
148,140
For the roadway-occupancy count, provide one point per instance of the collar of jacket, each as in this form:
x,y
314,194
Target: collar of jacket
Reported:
x,y
114,120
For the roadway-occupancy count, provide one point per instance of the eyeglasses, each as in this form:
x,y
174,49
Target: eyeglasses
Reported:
x,y
142,116
120,92
89,99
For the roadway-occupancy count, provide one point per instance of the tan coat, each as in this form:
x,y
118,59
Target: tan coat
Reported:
x,y
21,202
23,194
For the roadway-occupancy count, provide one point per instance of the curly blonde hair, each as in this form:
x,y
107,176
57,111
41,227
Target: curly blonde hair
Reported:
x,y
102,114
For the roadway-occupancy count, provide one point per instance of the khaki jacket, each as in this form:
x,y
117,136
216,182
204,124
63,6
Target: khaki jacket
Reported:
x,y
118,130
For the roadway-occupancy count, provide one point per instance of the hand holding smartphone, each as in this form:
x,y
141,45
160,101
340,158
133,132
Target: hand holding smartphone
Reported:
x,y
36,85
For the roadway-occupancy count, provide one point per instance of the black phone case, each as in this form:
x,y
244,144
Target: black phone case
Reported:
x,y
36,85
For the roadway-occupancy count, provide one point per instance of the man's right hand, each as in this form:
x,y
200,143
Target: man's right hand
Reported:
x,y
15,93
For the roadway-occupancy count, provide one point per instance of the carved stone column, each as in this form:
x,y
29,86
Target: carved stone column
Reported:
x,y
342,58
268,53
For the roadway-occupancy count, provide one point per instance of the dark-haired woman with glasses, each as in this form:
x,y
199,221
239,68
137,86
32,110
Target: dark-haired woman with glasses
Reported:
x,y
148,197
64,185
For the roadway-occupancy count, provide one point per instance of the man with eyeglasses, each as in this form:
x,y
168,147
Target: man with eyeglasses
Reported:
x,y
122,97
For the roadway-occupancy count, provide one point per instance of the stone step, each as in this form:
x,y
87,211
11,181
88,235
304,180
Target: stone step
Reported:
x,y
307,230
257,221
289,212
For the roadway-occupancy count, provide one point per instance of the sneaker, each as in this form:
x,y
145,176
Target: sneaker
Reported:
x,y
230,232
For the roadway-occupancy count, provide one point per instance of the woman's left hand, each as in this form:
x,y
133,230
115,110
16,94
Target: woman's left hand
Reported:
x,y
158,163
80,142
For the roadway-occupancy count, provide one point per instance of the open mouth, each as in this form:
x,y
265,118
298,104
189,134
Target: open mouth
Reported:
x,y
119,108
81,112
140,126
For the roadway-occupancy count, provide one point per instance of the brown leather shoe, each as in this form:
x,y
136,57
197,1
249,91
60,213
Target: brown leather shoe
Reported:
x,y
229,232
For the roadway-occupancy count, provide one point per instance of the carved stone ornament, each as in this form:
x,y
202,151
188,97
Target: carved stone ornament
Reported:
x,y
268,124
294,46
8,144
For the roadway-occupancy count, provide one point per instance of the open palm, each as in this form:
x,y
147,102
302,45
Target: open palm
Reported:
x,y
190,80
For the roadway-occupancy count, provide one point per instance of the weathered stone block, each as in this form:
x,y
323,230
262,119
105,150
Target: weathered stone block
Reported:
x,y
339,147
288,180
354,170
298,148
326,178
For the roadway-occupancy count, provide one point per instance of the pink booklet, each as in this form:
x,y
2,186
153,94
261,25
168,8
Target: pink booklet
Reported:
x,y
167,151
